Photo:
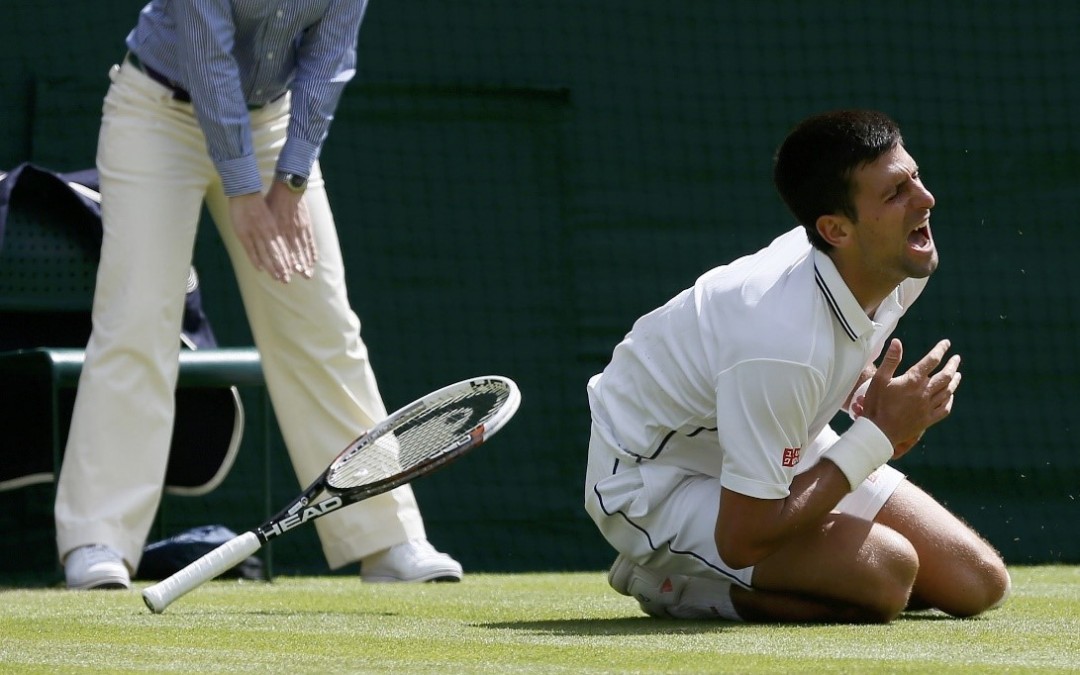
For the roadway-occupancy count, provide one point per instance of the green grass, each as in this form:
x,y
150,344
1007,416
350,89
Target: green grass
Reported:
x,y
523,623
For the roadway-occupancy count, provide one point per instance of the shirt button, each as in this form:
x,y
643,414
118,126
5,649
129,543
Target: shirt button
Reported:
x,y
280,14
258,91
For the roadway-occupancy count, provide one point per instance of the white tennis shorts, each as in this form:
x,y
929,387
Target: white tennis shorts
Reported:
x,y
664,518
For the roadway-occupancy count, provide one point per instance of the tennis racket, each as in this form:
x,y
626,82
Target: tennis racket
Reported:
x,y
416,440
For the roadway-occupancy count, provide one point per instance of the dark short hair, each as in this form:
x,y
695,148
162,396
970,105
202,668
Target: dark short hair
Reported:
x,y
813,167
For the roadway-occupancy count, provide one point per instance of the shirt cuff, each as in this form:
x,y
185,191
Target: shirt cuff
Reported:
x,y
240,176
298,156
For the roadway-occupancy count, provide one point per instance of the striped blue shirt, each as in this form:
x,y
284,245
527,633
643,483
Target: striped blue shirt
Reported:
x,y
231,54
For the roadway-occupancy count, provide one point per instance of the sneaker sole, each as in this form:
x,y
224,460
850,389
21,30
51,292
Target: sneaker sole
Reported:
x,y
101,584
438,577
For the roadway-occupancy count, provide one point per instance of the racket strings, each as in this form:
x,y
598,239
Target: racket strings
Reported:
x,y
429,432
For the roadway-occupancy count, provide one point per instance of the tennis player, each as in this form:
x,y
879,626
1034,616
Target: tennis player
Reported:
x,y
712,467
227,103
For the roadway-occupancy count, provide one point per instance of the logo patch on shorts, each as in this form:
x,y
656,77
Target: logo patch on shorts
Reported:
x,y
791,456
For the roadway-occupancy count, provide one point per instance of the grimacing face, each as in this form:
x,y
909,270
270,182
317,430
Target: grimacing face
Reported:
x,y
893,226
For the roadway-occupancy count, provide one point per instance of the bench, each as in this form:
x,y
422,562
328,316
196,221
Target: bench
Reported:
x,y
50,239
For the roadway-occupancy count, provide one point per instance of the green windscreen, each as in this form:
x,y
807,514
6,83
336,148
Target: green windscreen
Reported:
x,y
514,183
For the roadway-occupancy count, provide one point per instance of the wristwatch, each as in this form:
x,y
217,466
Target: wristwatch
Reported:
x,y
293,181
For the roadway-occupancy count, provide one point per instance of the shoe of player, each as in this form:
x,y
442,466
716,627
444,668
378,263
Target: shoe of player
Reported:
x,y
655,593
673,596
415,560
96,566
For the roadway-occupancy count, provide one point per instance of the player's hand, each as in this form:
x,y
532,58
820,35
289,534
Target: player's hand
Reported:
x,y
905,406
900,449
257,229
294,222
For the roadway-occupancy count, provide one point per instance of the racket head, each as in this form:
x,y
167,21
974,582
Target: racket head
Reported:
x,y
424,435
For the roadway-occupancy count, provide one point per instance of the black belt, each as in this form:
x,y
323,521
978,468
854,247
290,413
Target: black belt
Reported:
x,y
178,92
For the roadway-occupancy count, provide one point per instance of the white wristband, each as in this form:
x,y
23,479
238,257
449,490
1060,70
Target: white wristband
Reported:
x,y
860,451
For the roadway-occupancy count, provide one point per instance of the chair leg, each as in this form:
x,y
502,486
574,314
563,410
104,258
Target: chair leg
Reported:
x,y
58,452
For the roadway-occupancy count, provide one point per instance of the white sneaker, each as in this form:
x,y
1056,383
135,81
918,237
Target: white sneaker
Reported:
x,y
653,592
673,596
414,560
96,566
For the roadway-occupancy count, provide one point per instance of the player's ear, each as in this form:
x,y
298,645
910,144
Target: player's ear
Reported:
x,y
835,229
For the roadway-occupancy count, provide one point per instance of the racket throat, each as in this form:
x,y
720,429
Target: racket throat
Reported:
x,y
294,517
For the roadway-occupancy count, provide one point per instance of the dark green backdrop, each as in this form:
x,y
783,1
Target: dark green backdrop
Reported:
x,y
515,182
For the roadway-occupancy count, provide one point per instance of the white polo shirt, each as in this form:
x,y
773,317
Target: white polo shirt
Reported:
x,y
736,376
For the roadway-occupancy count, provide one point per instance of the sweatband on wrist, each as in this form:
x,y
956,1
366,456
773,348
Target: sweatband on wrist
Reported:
x,y
860,451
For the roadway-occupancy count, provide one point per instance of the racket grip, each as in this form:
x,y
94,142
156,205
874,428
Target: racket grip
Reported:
x,y
224,557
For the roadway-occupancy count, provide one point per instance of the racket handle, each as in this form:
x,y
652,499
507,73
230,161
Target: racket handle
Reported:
x,y
223,558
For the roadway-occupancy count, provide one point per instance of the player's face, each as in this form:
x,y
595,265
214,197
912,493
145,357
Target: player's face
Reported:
x,y
893,227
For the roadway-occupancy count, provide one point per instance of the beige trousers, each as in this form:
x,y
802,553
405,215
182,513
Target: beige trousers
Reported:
x,y
155,175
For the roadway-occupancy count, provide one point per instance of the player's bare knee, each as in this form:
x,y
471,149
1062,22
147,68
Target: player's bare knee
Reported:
x,y
985,585
995,578
893,598
887,602
1004,588
896,564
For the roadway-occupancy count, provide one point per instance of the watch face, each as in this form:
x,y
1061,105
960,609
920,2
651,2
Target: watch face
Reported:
x,y
293,181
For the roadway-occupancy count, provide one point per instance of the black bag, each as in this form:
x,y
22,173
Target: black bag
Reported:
x,y
163,558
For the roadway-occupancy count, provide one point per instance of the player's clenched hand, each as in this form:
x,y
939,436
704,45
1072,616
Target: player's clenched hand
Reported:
x,y
257,229
905,406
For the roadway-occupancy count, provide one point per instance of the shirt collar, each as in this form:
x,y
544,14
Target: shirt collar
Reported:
x,y
843,304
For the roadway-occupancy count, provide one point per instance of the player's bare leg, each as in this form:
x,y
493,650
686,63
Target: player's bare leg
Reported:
x,y
846,570
767,607
959,572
